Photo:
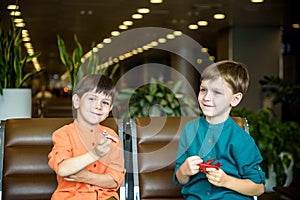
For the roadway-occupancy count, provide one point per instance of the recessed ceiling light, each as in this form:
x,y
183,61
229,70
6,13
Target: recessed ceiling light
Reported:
x,y
100,45
20,25
156,1
12,7
170,36
202,23
143,10
204,50
257,1
162,40
137,16
18,20
296,25
177,33
219,16
193,26
128,23
115,33
107,40
123,27
15,13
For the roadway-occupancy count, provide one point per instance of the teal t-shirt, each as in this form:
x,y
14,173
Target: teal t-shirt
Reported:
x,y
233,147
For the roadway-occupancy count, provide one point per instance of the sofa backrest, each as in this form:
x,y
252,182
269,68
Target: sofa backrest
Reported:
x,y
26,174
154,145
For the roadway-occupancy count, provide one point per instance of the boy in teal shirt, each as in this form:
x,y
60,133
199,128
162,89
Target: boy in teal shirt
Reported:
x,y
216,135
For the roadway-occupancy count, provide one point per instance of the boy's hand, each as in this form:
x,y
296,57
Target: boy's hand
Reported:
x,y
102,147
216,177
191,165
81,176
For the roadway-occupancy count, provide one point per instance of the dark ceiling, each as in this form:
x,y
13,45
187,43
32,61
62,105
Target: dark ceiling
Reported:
x,y
93,20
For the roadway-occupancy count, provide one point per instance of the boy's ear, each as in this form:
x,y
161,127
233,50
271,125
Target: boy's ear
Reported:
x,y
76,101
236,99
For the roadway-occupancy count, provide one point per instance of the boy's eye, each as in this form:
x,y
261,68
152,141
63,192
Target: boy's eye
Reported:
x,y
107,103
218,92
202,90
92,98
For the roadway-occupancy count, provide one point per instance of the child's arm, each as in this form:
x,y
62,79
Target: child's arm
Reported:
x,y
244,186
188,168
75,164
102,180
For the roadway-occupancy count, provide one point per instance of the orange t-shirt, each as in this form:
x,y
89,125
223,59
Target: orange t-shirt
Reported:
x,y
68,142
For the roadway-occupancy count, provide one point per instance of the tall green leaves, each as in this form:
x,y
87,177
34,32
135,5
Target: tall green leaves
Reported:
x,y
12,62
73,62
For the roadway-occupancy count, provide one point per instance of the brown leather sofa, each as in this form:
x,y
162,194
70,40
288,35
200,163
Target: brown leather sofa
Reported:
x,y
26,174
154,146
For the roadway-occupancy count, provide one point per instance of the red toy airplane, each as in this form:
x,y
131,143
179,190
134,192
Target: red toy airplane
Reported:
x,y
208,164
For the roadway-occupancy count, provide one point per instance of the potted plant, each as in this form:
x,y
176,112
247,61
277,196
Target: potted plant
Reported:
x,y
155,99
12,72
274,138
73,62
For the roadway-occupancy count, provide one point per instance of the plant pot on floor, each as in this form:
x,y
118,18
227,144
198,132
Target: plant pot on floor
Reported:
x,y
15,103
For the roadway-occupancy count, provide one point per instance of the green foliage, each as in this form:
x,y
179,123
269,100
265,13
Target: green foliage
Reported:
x,y
12,62
73,62
283,91
155,99
273,137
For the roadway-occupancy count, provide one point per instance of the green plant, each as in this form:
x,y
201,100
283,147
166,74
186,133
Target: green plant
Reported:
x,y
282,91
155,99
273,137
73,62
12,62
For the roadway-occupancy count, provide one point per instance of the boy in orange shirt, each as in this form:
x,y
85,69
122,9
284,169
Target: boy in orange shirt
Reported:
x,y
88,164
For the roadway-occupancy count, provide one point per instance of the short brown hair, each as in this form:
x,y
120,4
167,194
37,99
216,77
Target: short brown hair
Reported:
x,y
90,82
234,73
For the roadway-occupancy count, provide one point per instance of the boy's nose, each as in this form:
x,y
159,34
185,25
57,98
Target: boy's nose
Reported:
x,y
98,104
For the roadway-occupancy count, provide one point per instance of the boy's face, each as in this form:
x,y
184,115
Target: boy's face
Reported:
x,y
216,100
92,108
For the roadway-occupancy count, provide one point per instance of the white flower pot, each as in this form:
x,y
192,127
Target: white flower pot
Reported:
x,y
15,103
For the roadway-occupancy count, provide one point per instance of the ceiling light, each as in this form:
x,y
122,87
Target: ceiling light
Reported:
x,y
199,60
26,39
170,36
143,10
137,16
100,45
202,23
204,50
128,23
219,16
12,7
123,27
20,25
18,20
296,25
177,33
140,50
95,49
156,1
154,43
115,33
257,1
15,13
162,40
107,40
193,26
